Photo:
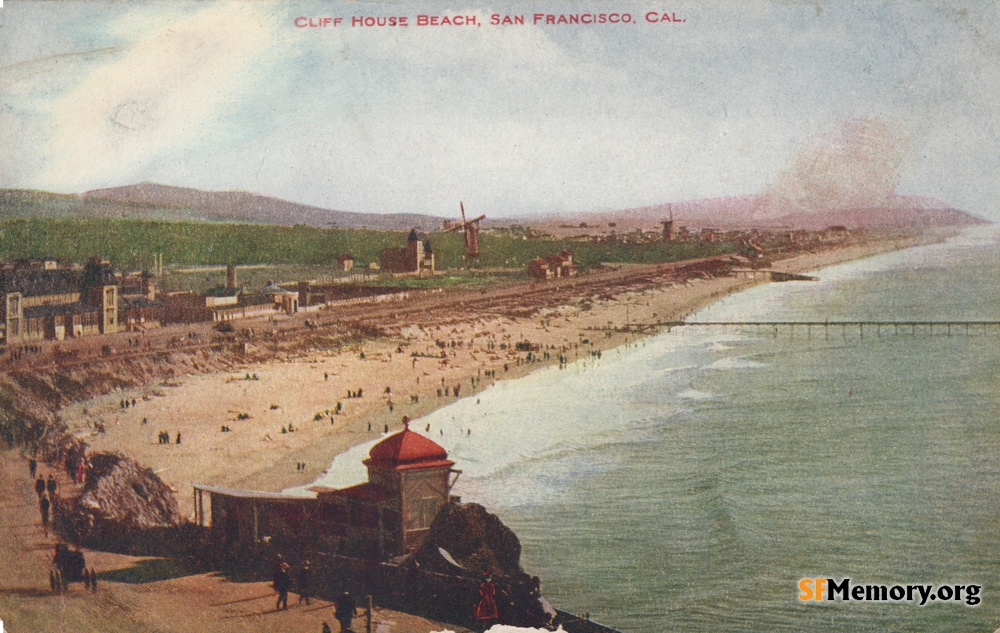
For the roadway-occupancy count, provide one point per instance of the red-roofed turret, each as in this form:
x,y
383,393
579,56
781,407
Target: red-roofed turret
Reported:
x,y
407,449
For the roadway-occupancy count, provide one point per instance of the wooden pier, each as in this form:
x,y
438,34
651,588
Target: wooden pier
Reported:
x,y
825,328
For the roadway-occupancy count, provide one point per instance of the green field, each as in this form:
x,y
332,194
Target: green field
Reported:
x,y
131,244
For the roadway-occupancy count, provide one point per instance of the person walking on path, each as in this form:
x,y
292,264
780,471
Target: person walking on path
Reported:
x,y
345,611
43,506
304,578
32,466
40,486
52,486
282,582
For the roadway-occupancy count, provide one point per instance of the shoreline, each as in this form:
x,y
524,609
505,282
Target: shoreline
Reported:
x,y
407,362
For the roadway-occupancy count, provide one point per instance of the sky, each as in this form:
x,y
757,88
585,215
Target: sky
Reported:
x,y
512,120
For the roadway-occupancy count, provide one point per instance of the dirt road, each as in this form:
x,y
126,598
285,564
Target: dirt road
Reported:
x,y
138,594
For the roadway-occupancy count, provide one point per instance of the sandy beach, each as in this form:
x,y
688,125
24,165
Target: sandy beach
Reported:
x,y
412,370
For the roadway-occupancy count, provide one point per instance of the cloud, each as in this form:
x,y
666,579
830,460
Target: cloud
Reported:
x,y
160,92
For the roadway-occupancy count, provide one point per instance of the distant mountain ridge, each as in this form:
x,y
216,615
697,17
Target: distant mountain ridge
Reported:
x,y
151,201
758,211
241,206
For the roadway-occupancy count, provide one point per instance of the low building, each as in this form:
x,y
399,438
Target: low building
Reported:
x,y
345,262
409,480
218,297
416,258
553,266
247,306
539,269
138,313
39,300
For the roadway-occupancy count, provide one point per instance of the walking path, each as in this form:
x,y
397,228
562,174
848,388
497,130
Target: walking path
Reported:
x,y
138,594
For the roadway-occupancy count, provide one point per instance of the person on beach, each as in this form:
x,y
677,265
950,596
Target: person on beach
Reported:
x,y
345,610
178,437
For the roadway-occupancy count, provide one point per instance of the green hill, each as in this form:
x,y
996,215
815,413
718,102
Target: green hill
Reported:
x,y
130,244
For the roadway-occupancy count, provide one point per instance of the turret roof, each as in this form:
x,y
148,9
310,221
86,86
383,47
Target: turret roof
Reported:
x,y
407,448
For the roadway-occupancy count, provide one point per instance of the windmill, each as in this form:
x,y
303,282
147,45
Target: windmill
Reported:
x,y
471,228
668,225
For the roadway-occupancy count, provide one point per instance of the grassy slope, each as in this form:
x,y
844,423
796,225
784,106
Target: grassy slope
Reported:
x,y
130,243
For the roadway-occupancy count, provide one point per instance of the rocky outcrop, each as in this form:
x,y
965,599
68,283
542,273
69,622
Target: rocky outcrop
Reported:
x,y
120,501
474,539
467,546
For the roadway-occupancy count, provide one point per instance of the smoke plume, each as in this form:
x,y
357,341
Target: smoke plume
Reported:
x,y
857,166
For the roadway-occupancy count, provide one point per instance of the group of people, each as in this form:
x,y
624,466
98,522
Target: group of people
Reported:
x,y
164,437
355,394
124,403
345,607
46,490
18,352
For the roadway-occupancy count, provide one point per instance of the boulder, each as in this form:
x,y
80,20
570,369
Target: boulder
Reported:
x,y
120,500
474,539
466,546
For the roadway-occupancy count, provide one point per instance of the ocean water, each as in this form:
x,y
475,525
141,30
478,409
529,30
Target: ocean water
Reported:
x,y
688,482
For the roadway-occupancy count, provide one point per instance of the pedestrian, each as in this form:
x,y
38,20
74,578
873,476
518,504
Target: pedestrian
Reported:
x,y
178,437
282,582
51,486
32,466
43,507
304,578
345,611
40,486
486,610
93,580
